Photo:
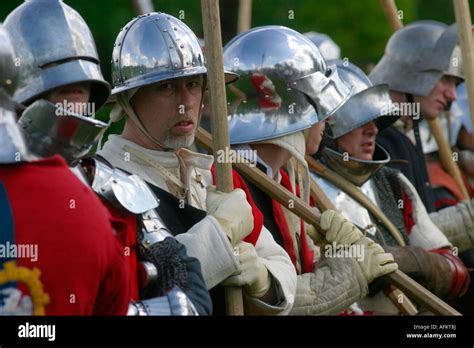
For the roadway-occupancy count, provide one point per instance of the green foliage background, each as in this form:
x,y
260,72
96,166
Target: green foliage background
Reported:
x,y
359,27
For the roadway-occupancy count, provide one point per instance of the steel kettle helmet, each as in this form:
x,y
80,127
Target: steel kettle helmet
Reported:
x,y
285,85
417,56
367,103
154,47
54,47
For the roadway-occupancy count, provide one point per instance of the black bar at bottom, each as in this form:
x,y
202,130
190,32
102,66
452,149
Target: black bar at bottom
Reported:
x,y
427,330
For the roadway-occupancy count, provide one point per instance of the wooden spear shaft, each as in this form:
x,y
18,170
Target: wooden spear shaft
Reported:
x,y
218,104
446,155
390,10
462,13
245,16
142,6
312,216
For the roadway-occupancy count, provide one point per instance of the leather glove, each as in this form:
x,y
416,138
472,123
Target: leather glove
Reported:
x,y
338,229
252,273
232,211
431,270
375,261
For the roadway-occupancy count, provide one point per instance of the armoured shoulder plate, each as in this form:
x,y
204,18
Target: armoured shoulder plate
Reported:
x,y
122,189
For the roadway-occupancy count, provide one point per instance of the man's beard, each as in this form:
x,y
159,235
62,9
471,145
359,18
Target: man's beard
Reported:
x,y
175,142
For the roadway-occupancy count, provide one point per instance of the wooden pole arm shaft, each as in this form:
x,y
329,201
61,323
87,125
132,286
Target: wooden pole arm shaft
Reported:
x,y
309,214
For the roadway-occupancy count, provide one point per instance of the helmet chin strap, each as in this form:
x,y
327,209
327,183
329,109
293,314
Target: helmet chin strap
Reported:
x,y
124,101
123,106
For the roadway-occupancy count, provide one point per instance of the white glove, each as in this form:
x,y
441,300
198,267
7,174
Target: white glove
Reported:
x,y
232,211
251,274
338,229
375,261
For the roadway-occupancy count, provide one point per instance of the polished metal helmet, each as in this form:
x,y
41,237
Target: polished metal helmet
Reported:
x,y
155,47
12,146
285,85
460,107
8,70
54,48
50,129
417,56
355,170
328,48
367,103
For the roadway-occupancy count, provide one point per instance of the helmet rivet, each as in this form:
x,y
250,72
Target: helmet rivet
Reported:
x,y
175,28
165,30
175,65
119,44
181,46
171,46
147,14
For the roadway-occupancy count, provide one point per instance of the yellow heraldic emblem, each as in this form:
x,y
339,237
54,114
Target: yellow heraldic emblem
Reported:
x,y
31,278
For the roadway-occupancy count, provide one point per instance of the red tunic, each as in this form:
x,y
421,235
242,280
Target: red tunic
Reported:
x,y
306,253
82,264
